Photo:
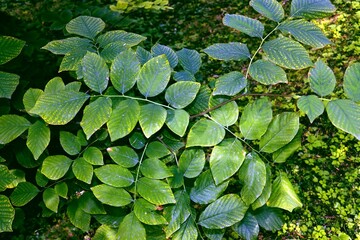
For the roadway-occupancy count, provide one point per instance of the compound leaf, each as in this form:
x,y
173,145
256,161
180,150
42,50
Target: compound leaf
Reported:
x,y
249,26
155,191
230,84
228,51
152,118
85,26
271,9
267,73
311,8
311,105
322,79
23,193
352,82
116,197
55,167
38,138
12,126
190,60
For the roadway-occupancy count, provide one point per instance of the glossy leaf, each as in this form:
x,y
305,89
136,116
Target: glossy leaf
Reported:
x,y
287,53
77,216
228,51
352,82
322,79
154,76
114,175
137,140
152,118
311,105
249,26
93,156
10,48
224,212
38,138
156,149
123,155
12,126
271,9
30,98
82,170
230,84
116,197
131,39
147,213
85,26
155,191
248,228
105,232
311,8
95,71
283,194
70,143
190,60
7,214
155,169
89,204
181,94
131,228
63,46
51,199
265,195
271,219
267,73
159,49
23,193
177,121
205,133
9,82
191,162
285,152
55,167
281,131
225,115
255,119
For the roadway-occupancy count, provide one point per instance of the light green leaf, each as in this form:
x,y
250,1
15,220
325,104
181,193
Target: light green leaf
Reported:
x,y
38,138
190,60
225,115
96,114
184,76
228,51
85,26
51,199
114,175
322,79
59,108
7,214
287,53
61,189
9,82
271,219
77,216
248,228
205,191
63,46
352,82
10,48
265,195
131,39
12,126
222,164
252,175
305,32
116,197
155,191
171,56
131,228
19,177
281,131
154,76
345,114
93,156
123,119
181,94
267,73
72,60
147,213
55,167
157,149
7,178
311,105
70,143
105,232
124,70
191,162
124,156
143,55
152,118
54,85
283,194
30,98
311,8
177,121
73,86
95,71
89,204
249,26
23,193
205,133
224,212
187,231
230,84
82,170
255,119
155,169
285,152
271,9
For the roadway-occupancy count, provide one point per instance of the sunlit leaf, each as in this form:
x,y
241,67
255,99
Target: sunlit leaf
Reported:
x,y
205,133
147,213
283,153
352,82
322,79
123,155
112,196
265,195
10,48
227,114
155,191
114,175
30,98
131,228
66,45
70,143
7,214
155,169
159,49
181,94
152,118
51,199
82,170
156,149
93,156
177,121
187,231
192,162
131,39
104,232
311,105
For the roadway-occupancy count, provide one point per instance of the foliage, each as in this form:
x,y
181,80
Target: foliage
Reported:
x,y
131,5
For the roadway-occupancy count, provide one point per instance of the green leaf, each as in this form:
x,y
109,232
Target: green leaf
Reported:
x,y
228,51
225,115
157,149
181,94
287,53
143,55
7,214
10,48
224,212
85,26
267,73
70,143
205,191
281,131
93,156
96,114
77,216
177,121
201,102
352,82
40,178
184,76
12,126
124,156
51,199
171,56
255,119
205,133
147,213
191,162
23,193
59,108
38,138
230,84
283,153
30,98
249,26
123,119
322,79
271,9
114,175
55,167
63,46
112,196
152,118
248,228
137,140
61,189
271,219
222,164
82,170
265,195
154,76
187,231
73,86
190,60
105,232
283,194
311,105
155,169
9,82
112,50
311,8
19,178
131,39
155,191
124,70
96,72
6,178
345,114
72,60
54,85
131,228
252,175
214,234
89,204
305,32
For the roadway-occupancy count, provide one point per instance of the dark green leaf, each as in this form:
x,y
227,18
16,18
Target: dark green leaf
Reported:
x,y
155,191
205,133
112,50
12,126
177,121
270,219
82,170
187,231
72,60
228,51
6,177
190,60
112,196
155,169
93,156
352,82
95,71
159,49
78,217
55,167
214,234
201,102
63,46
311,8
23,193
311,105
143,55
181,94
248,228
61,189
152,118
89,204
230,84
131,39
51,199
10,48
249,26
267,73
271,9
70,143
147,213
285,152
131,228
191,162
114,175
85,26
137,140
157,149
9,82
322,79
124,156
